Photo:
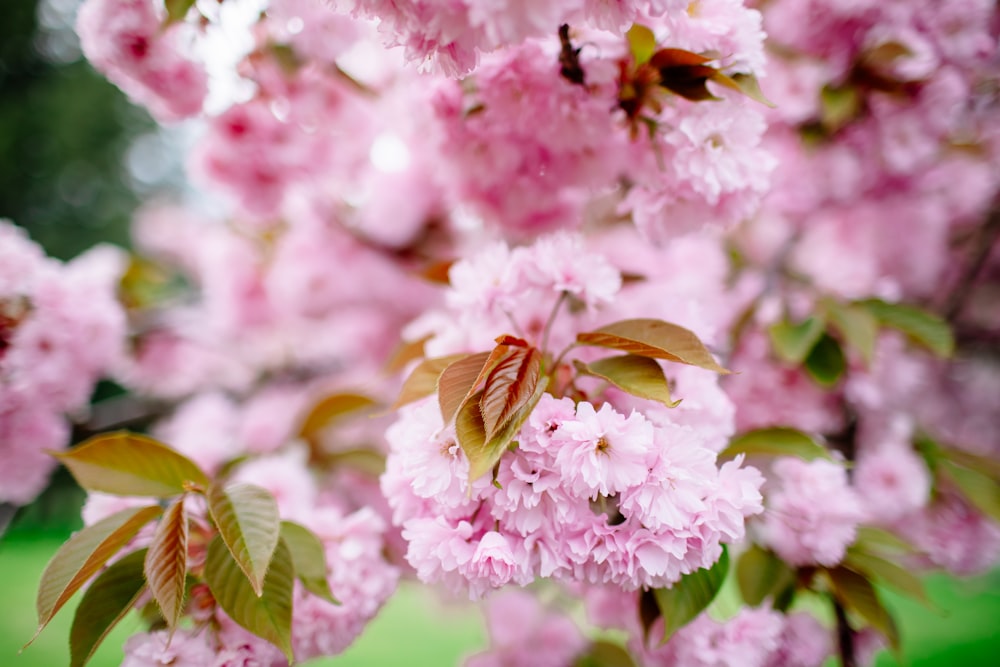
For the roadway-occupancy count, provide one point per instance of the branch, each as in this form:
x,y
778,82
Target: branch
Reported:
x,y
845,637
982,244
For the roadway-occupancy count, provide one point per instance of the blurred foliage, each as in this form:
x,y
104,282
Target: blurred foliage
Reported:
x,y
64,137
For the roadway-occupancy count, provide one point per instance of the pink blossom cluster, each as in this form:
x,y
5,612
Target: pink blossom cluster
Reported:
x,y
523,632
509,164
309,299
588,495
755,637
812,513
61,329
591,493
888,180
127,42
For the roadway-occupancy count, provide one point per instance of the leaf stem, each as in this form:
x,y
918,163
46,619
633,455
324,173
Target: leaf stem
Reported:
x,y
552,318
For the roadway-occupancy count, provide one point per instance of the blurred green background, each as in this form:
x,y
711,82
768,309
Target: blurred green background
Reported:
x,y
76,160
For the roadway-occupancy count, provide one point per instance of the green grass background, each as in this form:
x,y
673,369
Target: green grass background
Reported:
x,y
415,629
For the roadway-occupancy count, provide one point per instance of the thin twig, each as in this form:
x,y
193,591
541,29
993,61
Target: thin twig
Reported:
x,y
987,237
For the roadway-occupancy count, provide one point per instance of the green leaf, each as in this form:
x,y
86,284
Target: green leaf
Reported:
x,y
839,107
423,381
129,464
249,524
510,384
308,559
653,338
762,575
639,376
268,616
331,408
978,488
603,653
482,452
826,363
920,326
362,459
878,540
106,602
774,442
681,603
458,382
83,555
792,343
177,9
857,327
167,561
746,84
641,43
857,594
983,464
885,572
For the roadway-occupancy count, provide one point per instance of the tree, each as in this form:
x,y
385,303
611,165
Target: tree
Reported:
x,y
640,328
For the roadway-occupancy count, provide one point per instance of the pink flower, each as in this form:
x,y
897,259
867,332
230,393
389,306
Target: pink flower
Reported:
x,y
495,563
524,633
603,452
812,514
184,649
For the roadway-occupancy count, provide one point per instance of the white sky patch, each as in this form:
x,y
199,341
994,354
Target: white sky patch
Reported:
x,y
226,41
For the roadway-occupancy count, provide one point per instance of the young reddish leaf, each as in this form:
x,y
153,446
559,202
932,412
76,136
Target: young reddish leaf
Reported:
x,y
641,43
681,603
826,363
793,342
308,559
885,571
774,442
653,338
166,562
105,602
423,381
856,593
857,327
177,9
509,386
762,575
128,464
331,408
268,616
670,58
483,452
920,326
83,555
404,353
248,522
458,381
639,376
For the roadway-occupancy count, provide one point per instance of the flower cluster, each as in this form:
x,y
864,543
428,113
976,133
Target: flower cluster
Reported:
x,y
126,40
61,329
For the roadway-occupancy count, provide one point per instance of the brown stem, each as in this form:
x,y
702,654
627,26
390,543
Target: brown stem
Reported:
x,y
845,637
983,243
